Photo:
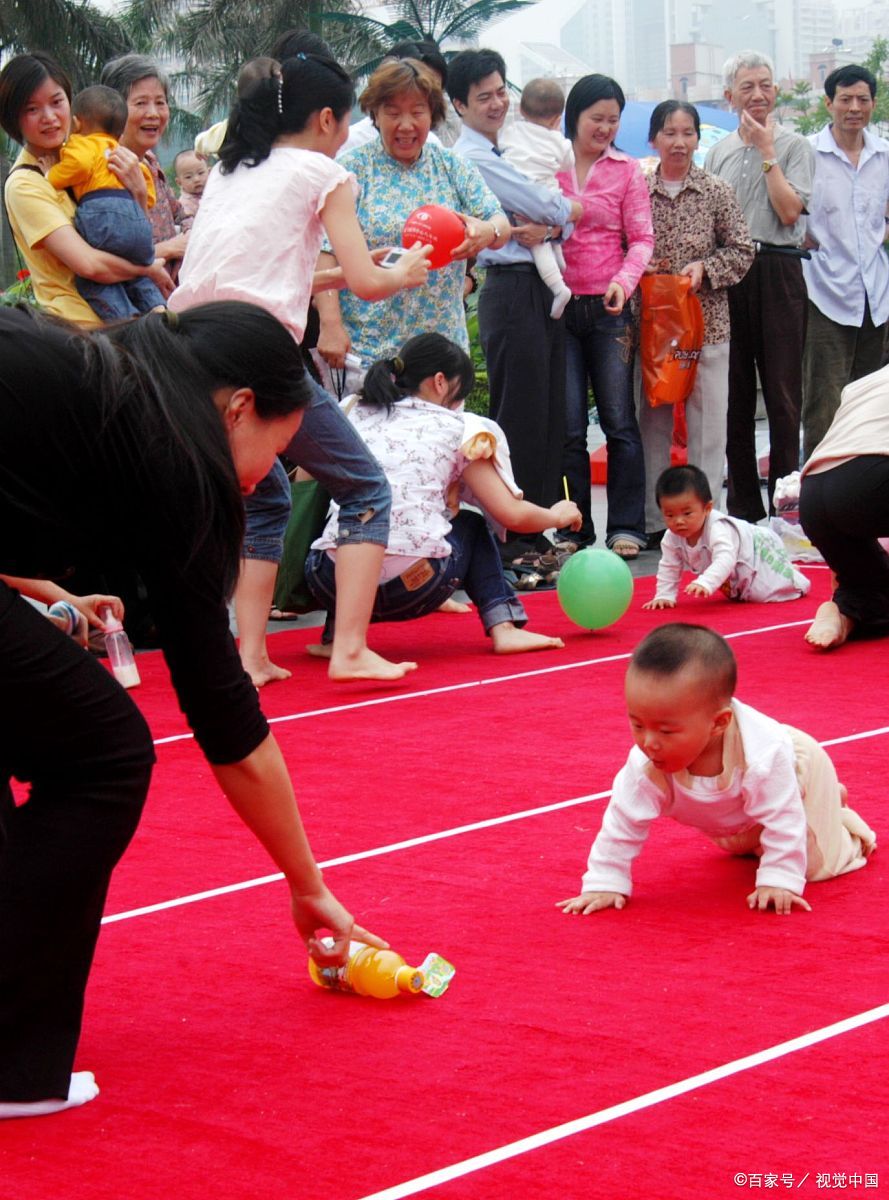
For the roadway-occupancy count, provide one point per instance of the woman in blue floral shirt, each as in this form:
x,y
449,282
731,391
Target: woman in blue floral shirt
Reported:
x,y
396,173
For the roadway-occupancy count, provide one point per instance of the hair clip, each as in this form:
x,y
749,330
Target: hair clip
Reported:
x,y
397,365
171,320
280,83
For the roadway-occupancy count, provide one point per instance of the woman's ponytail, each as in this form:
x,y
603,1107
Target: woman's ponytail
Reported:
x,y
381,387
283,103
253,125
392,379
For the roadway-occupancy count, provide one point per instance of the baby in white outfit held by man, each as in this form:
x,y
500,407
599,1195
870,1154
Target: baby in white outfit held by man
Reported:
x,y
536,146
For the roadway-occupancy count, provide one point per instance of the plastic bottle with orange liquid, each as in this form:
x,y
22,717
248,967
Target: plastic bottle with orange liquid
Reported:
x,y
370,972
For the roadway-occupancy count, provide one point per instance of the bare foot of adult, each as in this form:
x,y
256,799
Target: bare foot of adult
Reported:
x,y
454,606
264,671
364,664
81,1090
508,639
830,627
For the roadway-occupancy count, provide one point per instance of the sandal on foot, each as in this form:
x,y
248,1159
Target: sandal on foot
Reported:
x,y
624,548
528,581
280,614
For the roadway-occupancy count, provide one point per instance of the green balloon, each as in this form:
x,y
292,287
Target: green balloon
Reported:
x,y
595,588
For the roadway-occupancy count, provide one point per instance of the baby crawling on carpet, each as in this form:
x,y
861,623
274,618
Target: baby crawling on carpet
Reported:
x,y
752,785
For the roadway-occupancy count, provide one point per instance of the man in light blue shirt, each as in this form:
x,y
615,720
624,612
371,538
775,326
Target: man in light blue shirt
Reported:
x,y
524,347
847,278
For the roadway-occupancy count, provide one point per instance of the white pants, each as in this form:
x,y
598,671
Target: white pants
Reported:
x,y
705,414
550,262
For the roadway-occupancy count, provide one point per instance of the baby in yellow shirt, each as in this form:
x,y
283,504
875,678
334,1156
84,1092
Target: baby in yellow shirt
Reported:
x,y
108,216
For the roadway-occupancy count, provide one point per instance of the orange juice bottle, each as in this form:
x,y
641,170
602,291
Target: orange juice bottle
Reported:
x,y
369,972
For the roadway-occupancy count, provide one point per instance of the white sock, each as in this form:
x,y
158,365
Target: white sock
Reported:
x,y
83,1088
560,303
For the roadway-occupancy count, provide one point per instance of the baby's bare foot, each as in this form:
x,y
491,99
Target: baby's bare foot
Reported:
x,y
830,628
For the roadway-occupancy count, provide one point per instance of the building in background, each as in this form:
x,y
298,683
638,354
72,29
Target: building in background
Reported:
x,y
861,22
545,59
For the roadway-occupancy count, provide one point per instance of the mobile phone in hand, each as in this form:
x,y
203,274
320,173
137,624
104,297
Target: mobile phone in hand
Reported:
x,y
393,257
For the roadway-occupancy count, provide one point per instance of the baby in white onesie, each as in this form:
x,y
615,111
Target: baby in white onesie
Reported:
x,y
535,146
746,562
752,785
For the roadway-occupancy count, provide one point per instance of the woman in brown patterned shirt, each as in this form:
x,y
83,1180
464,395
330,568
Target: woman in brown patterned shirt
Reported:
x,y
699,231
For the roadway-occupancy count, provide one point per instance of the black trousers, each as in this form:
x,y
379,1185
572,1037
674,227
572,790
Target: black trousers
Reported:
x,y
844,511
768,317
73,734
524,351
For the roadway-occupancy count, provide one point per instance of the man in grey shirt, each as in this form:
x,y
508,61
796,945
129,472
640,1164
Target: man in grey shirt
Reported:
x,y
771,171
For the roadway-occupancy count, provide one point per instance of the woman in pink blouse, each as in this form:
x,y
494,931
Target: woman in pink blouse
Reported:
x,y
604,258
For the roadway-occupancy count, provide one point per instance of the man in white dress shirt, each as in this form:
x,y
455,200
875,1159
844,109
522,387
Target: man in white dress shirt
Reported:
x,y
847,277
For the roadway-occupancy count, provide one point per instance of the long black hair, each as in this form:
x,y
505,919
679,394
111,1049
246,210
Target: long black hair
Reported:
x,y
160,372
394,379
308,83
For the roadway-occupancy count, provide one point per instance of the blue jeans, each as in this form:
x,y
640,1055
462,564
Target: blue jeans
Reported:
x,y
329,448
267,511
473,564
600,352
111,220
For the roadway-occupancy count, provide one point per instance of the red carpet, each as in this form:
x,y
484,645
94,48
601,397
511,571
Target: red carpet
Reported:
x,y
225,1073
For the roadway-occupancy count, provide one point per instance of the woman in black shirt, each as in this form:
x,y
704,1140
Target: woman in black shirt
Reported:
x,y
135,444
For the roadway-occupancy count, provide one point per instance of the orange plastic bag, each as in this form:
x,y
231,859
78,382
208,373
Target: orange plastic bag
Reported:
x,y
672,334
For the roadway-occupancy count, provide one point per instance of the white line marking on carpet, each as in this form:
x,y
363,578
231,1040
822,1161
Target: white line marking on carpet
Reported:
x,y
399,697
547,1136
408,843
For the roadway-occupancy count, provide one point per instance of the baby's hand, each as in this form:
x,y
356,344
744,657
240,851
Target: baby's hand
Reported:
x,y
781,898
590,902
659,602
697,589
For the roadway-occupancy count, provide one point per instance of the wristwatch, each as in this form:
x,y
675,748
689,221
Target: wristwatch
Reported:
x,y
548,237
768,163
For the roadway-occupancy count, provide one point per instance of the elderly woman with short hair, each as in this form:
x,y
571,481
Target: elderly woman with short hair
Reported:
x,y
145,88
396,174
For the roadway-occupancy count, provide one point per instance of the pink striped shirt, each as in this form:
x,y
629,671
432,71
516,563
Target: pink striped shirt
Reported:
x,y
613,240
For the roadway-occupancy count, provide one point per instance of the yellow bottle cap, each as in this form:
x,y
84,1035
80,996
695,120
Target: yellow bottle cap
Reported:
x,y
409,979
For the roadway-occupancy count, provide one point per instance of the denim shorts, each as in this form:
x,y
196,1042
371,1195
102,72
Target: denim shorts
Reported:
x,y
267,511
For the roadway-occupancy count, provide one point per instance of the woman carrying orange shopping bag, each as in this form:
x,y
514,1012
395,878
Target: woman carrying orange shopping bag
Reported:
x,y
699,233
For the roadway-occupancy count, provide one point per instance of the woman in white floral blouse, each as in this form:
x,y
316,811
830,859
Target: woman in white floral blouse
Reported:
x,y
699,231
396,173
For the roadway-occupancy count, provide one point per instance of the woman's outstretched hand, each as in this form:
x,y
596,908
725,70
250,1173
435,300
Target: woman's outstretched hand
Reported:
x,y
319,915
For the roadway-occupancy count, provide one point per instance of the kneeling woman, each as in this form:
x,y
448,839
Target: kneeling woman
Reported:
x,y
410,415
